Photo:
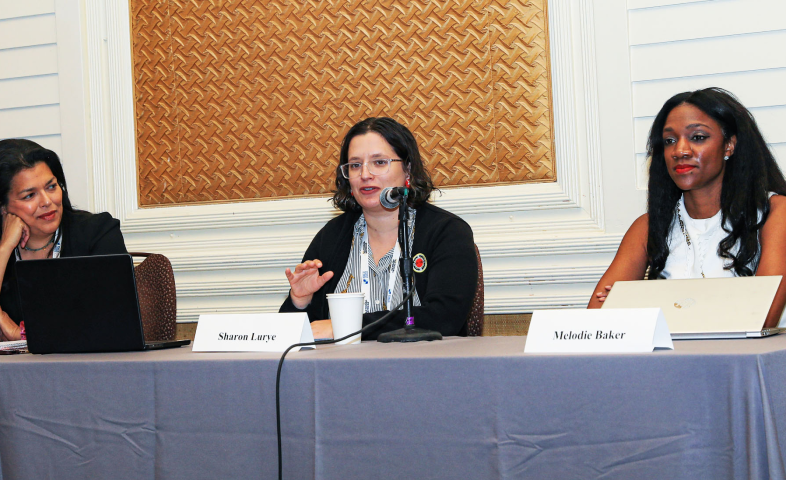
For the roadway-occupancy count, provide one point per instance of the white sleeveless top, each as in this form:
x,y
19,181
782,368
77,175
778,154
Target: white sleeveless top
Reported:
x,y
686,261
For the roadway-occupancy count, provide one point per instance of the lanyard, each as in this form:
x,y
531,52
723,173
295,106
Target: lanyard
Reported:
x,y
55,250
365,278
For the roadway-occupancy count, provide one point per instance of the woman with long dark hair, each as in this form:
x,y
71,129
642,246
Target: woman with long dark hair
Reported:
x,y
38,222
715,205
378,153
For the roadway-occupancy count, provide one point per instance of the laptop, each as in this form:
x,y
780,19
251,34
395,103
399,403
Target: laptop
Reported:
x,y
704,307
82,304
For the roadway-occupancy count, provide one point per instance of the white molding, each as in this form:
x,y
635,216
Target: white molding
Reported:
x,y
98,179
121,98
74,130
500,305
591,115
277,252
279,286
563,99
536,302
461,201
565,275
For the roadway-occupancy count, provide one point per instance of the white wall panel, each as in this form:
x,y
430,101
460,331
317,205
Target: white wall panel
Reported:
x,y
25,8
29,84
779,150
732,44
716,19
28,61
52,142
760,88
635,4
757,51
30,121
772,123
27,31
21,92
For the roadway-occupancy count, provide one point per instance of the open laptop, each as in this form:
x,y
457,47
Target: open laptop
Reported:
x,y
82,304
704,307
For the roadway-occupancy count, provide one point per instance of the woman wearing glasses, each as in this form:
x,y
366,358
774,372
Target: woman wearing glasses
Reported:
x,y
378,153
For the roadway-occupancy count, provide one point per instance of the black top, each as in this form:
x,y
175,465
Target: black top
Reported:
x,y
84,234
446,287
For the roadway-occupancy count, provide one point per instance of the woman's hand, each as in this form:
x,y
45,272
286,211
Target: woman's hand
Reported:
x,y
15,232
322,329
603,293
8,329
305,281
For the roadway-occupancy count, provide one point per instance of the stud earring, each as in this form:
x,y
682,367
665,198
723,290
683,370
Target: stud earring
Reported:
x,y
725,158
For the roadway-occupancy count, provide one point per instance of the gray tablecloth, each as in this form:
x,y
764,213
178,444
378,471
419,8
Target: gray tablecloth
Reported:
x,y
463,408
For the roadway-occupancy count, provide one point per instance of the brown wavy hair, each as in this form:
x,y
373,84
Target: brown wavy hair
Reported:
x,y
406,147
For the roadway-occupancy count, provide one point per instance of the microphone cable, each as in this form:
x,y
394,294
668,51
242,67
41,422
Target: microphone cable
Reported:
x,y
314,343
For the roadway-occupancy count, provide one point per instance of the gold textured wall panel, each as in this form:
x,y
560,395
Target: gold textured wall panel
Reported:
x,y
239,100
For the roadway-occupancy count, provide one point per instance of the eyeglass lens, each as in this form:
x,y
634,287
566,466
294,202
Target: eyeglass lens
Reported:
x,y
375,167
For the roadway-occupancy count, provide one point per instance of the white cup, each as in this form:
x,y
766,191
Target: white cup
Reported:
x,y
346,315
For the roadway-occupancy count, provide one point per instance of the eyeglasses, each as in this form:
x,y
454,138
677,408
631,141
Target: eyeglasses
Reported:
x,y
379,166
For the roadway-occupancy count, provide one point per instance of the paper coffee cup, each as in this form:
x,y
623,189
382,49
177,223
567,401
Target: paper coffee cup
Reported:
x,y
346,315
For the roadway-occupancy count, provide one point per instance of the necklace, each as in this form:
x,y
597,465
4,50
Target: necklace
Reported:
x,y
687,239
50,242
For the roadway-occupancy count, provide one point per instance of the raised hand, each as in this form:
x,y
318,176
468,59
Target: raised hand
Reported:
x,y
305,281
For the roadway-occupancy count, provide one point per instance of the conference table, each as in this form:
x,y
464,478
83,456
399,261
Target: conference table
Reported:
x,y
460,408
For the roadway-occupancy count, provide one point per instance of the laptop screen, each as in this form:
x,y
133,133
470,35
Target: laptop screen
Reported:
x,y
80,304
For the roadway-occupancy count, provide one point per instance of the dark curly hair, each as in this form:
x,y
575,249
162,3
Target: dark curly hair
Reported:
x,y
406,147
750,174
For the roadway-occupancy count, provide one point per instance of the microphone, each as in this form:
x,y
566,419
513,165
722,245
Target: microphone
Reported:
x,y
391,196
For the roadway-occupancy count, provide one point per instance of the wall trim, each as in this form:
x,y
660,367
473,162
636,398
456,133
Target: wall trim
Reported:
x,y
497,305
514,277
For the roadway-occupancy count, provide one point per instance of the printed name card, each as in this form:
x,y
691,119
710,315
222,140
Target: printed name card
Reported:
x,y
618,330
262,332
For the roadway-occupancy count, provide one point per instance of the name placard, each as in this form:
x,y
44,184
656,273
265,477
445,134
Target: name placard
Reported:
x,y
619,330
253,332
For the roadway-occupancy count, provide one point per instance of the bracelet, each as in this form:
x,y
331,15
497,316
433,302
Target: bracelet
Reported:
x,y
22,332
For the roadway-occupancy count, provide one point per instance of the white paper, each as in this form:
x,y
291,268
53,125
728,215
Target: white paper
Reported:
x,y
13,345
619,330
253,332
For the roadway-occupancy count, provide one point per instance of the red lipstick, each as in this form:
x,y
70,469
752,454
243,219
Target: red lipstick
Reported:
x,y
680,169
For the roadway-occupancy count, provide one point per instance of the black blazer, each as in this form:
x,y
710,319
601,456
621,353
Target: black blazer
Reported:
x,y
84,234
446,287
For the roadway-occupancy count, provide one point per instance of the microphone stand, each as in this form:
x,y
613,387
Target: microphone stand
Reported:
x,y
409,333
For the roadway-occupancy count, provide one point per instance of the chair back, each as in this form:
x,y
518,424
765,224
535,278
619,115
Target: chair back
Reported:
x,y
475,319
155,285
